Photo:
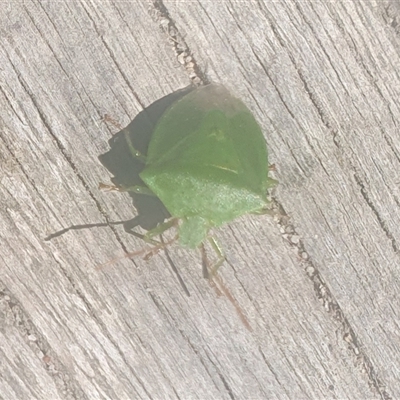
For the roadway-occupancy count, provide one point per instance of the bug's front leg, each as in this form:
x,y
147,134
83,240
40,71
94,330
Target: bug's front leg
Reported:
x,y
210,272
133,150
149,235
159,229
136,153
138,189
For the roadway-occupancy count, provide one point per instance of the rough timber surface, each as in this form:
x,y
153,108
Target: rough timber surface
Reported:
x,y
307,305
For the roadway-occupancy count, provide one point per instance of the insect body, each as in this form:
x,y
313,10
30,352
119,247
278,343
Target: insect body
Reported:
x,y
207,162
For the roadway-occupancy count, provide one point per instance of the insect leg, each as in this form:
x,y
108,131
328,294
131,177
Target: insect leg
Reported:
x,y
159,229
108,119
271,182
220,253
204,261
149,235
139,190
134,189
135,152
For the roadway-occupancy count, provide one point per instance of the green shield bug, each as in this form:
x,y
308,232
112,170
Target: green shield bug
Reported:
x,y
207,162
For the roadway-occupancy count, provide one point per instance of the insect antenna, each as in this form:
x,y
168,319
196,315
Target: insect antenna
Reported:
x,y
83,226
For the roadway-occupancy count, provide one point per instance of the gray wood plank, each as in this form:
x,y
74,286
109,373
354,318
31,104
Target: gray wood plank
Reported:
x,y
305,307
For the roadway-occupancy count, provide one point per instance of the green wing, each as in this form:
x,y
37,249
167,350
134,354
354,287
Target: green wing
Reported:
x,y
210,127
208,158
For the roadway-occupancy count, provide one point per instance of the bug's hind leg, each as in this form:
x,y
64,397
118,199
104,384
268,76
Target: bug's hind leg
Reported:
x,y
147,237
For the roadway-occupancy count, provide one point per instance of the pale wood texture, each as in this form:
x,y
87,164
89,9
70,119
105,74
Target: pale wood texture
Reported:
x,y
311,302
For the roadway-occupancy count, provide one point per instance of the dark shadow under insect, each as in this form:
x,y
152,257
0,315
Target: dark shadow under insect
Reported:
x,y
125,169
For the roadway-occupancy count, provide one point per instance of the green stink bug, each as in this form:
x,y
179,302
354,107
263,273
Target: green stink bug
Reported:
x,y
207,162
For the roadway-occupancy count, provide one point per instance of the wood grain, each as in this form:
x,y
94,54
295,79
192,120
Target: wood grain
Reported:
x,y
307,304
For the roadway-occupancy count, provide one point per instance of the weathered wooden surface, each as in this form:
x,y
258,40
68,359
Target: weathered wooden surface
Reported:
x,y
322,79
